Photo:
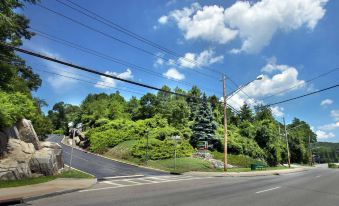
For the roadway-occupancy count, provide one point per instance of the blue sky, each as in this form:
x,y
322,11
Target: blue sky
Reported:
x,y
288,42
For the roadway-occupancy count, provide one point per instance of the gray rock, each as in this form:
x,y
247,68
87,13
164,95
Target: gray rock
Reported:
x,y
77,140
24,161
3,144
27,133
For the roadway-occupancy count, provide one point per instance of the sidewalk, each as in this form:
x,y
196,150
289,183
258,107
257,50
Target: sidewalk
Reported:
x,y
247,174
54,187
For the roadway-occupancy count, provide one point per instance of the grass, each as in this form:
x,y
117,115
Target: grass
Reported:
x,y
31,181
184,164
122,152
246,169
237,160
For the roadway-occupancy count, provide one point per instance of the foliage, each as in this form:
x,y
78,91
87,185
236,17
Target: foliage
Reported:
x,y
326,152
237,160
204,126
332,165
238,144
158,149
13,107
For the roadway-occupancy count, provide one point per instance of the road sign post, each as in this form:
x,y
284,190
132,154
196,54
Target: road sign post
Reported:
x,y
175,138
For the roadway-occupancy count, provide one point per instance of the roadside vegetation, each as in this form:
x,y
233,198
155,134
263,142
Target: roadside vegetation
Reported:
x,y
30,181
120,127
332,165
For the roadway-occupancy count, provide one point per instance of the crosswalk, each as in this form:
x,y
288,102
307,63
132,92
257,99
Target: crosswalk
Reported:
x,y
146,180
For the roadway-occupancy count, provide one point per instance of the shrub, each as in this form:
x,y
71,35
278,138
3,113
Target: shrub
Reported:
x,y
158,149
13,107
332,165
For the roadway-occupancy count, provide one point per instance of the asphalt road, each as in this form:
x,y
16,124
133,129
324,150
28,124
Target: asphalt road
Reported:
x,y
98,166
317,187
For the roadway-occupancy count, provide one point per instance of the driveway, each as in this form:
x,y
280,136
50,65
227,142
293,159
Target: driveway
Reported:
x,y
98,166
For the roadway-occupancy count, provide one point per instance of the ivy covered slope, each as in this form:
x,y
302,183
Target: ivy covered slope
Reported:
x,y
17,80
119,127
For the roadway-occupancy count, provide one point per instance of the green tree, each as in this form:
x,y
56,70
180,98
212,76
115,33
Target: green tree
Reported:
x,y
204,126
148,106
245,113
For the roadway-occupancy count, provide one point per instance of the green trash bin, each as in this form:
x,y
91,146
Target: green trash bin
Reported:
x,y
253,167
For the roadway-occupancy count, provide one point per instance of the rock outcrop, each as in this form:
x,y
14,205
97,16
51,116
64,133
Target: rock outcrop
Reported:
x,y
78,137
24,156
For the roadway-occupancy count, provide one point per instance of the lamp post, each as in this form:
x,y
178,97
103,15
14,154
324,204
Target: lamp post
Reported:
x,y
175,138
225,111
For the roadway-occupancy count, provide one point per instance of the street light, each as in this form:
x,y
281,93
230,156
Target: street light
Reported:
x,y
260,77
225,112
175,138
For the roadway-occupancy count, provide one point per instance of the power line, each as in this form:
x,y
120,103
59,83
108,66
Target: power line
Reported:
x,y
108,57
123,30
311,93
121,89
116,39
307,81
91,70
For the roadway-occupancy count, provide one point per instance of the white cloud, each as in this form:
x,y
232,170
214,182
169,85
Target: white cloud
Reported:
x,y
106,82
277,111
335,115
254,23
329,127
172,73
326,102
286,77
322,135
283,78
163,20
205,58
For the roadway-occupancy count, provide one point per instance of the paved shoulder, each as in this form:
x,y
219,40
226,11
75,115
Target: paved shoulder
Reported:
x,y
98,166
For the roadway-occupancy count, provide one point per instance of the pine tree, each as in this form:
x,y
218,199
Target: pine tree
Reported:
x,y
204,126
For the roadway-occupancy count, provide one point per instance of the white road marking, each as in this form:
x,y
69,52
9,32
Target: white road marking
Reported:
x,y
267,190
112,183
119,177
149,180
318,176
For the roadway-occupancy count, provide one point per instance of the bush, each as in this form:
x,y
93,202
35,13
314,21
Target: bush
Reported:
x,y
158,149
110,134
238,160
58,131
238,144
13,107
332,165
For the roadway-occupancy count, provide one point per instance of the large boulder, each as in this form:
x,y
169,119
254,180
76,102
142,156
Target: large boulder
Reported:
x,y
3,144
27,133
23,160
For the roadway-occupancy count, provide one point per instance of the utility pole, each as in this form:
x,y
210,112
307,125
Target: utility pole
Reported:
x,y
146,147
310,149
287,146
225,123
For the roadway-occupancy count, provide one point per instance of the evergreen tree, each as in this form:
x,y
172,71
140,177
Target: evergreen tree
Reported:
x,y
246,113
204,126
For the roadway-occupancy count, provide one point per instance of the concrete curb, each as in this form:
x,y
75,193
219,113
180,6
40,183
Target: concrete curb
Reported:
x,y
33,197
247,174
116,160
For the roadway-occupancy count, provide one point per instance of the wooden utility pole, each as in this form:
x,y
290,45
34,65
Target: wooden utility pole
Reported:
x,y
225,123
310,149
287,145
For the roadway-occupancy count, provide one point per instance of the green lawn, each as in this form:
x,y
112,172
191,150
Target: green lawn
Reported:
x,y
246,169
30,181
237,160
184,164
